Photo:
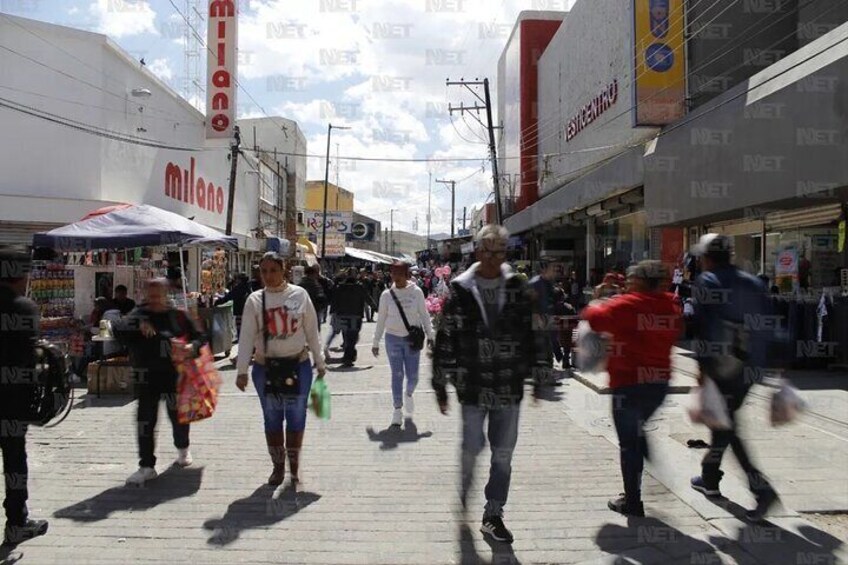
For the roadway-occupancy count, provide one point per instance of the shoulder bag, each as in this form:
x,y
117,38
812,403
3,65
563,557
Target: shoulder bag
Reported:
x,y
416,333
281,376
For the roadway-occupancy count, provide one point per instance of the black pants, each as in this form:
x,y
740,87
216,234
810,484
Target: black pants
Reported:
x,y
148,414
350,333
734,393
632,407
15,471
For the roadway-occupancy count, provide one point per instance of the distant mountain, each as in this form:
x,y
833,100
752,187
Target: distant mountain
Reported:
x,y
439,236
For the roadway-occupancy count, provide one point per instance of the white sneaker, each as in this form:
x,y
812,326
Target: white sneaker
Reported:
x,y
397,417
409,405
183,457
141,476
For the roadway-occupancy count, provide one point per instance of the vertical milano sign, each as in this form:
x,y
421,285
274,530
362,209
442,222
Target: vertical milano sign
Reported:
x,y
221,69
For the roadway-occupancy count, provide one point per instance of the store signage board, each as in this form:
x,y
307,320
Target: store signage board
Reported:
x,y
659,62
221,68
335,245
337,222
591,111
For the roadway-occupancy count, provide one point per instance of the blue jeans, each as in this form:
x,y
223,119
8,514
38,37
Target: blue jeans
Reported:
x,y
402,360
503,435
632,406
288,409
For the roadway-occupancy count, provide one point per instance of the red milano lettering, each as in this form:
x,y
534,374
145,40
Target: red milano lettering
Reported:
x,y
181,185
220,33
592,111
280,323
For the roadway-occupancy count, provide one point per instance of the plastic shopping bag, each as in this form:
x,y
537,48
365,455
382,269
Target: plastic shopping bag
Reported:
x,y
320,396
590,348
197,387
786,404
709,407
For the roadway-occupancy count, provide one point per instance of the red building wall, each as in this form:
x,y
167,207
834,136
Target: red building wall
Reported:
x,y
535,35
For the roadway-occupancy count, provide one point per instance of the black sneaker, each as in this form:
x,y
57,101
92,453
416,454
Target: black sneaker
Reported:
x,y
493,527
30,529
699,484
621,506
764,501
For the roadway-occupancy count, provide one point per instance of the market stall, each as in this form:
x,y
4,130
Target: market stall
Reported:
x,y
65,305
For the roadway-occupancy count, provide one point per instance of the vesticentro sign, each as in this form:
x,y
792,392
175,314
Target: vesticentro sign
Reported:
x,y
221,69
592,111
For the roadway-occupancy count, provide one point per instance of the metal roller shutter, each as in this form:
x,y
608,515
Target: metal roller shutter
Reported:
x,y
20,233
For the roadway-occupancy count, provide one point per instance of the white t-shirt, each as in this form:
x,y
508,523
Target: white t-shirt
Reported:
x,y
388,317
292,326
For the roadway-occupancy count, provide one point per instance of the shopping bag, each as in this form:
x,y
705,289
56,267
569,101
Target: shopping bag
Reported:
x,y
590,348
197,386
709,407
786,404
320,396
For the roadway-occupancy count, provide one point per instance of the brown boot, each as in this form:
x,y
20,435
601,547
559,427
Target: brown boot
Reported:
x,y
277,449
294,442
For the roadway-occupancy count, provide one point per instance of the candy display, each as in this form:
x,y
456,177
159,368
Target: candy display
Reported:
x,y
52,288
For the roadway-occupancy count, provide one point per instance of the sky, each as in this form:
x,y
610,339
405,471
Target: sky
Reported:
x,y
376,66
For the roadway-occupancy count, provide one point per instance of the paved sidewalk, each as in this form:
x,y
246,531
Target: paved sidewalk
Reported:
x,y
372,495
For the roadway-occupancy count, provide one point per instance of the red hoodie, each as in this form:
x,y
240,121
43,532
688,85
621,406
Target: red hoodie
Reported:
x,y
644,326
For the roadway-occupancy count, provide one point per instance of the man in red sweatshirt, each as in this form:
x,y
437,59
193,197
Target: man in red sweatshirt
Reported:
x,y
644,323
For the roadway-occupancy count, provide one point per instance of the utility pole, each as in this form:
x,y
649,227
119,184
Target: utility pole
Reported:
x,y
452,184
326,181
463,218
429,190
392,224
234,153
474,111
386,240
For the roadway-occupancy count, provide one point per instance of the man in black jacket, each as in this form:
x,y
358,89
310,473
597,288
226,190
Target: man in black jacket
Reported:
x,y
151,332
349,306
238,295
19,322
311,283
486,347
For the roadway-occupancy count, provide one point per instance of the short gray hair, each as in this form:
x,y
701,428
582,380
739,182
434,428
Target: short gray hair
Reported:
x,y
492,232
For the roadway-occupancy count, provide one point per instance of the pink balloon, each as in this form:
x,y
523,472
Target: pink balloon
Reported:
x,y
440,272
446,270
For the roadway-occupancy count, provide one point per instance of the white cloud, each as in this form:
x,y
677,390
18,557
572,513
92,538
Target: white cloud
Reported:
x,y
161,68
123,18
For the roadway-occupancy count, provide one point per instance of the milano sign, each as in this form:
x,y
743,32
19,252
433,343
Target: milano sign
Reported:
x,y
221,68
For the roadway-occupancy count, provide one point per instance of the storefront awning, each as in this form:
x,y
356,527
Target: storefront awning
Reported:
x,y
370,256
619,175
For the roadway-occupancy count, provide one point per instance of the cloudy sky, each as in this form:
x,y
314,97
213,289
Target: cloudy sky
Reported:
x,y
378,66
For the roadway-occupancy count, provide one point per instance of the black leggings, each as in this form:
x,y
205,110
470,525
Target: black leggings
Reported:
x,y
148,414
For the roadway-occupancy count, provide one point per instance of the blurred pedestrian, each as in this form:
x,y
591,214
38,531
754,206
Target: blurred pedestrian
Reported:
x,y
150,333
349,301
644,323
18,335
279,331
311,283
238,294
731,343
486,347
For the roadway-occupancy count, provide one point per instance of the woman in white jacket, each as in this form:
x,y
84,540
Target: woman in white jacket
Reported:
x,y
286,328
403,359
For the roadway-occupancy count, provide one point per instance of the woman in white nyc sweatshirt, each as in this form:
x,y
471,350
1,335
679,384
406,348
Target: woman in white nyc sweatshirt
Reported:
x,y
403,360
292,332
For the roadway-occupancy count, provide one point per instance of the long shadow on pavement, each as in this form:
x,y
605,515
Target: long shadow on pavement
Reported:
x,y
354,369
502,553
393,436
174,483
769,543
10,554
259,509
650,540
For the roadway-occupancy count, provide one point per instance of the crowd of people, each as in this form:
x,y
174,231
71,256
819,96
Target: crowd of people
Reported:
x,y
496,329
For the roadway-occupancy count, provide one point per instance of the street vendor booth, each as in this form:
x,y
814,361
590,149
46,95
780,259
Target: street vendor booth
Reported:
x,y
136,238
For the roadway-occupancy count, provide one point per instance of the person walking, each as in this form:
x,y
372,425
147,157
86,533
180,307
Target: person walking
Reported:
x,y
18,334
645,323
370,303
543,292
731,344
238,295
349,301
401,309
311,283
279,331
486,347
149,332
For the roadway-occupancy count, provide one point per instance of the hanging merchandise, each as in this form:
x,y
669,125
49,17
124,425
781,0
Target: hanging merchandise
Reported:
x,y
52,289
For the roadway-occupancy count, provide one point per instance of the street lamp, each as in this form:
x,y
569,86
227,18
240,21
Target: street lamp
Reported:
x,y
326,180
